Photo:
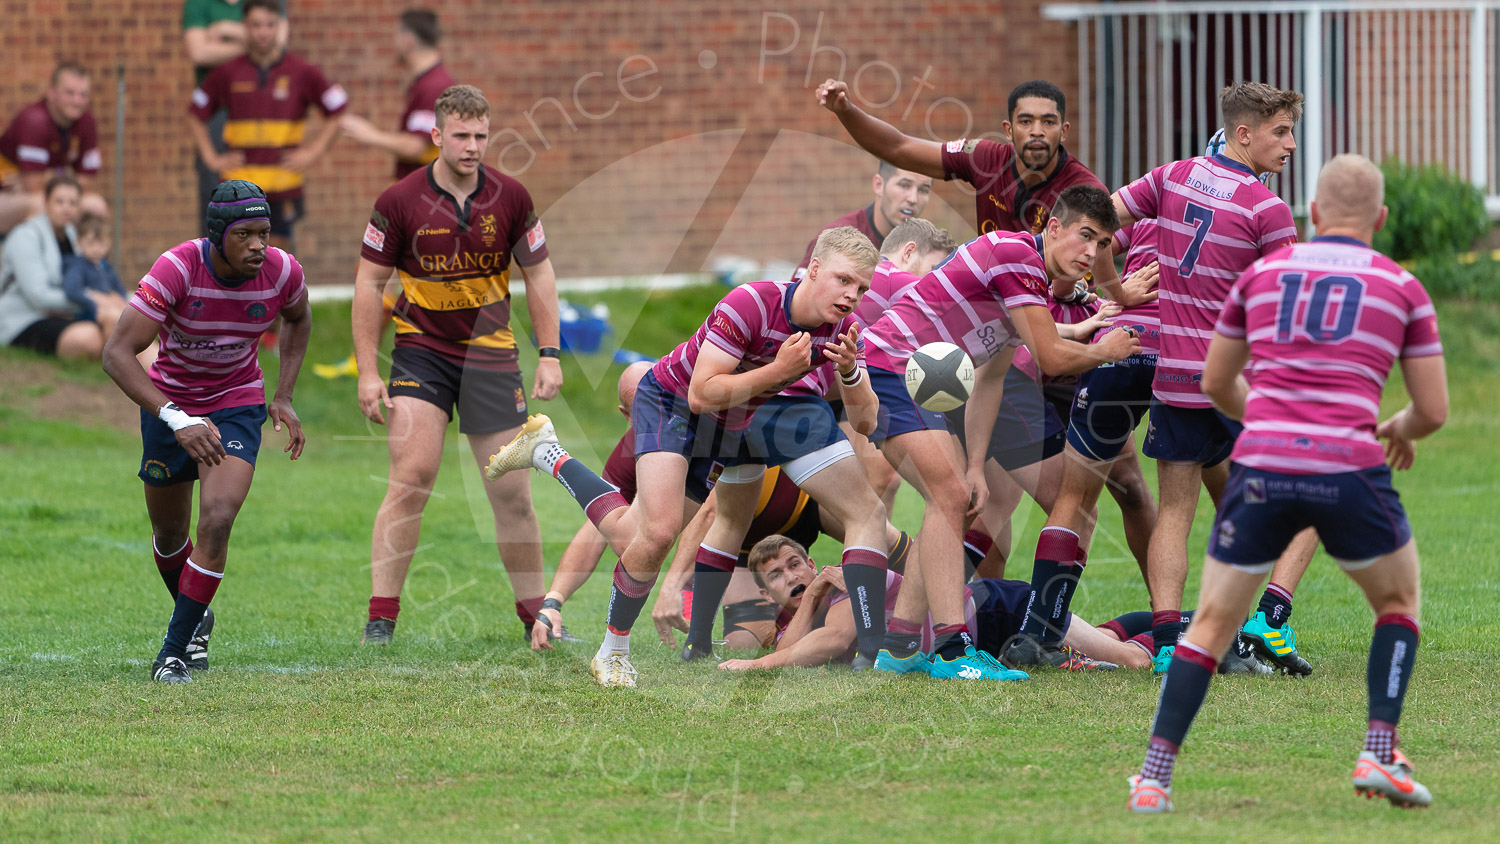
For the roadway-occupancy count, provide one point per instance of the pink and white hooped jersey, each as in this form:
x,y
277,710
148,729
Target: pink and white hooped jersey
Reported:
x,y
751,323
209,328
1326,320
1063,313
1214,219
1139,242
965,300
887,285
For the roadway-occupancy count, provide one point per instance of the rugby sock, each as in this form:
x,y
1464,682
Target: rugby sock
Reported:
x,y
194,593
1166,628
950,641
527,609
626,599
1276,603
899,553
170,565
595,495
1052,575
1182,696
977,544
712,570
1393,653
1130,625
385,607
902,637
864,575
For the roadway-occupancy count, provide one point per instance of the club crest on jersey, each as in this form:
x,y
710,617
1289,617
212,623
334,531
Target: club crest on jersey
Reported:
x,y
195,305
256,311
520,400
487,229
283,89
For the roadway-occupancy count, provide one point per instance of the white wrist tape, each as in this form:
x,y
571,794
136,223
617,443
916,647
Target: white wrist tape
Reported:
x,y
177,419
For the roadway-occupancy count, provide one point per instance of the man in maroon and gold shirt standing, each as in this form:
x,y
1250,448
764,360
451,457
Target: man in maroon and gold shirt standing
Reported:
x,y
417,36
1015,184
267,93
448,233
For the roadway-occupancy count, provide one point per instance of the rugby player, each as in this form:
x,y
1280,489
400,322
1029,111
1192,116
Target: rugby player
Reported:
x,y
697,405
203,401
1322,323
1016,185
1215,218
815,626
987,299
448,233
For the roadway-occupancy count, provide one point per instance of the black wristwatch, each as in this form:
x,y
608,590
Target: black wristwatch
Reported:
x,y
549,352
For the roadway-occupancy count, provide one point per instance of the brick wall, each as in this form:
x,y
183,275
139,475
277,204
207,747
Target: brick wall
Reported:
x,y
652,136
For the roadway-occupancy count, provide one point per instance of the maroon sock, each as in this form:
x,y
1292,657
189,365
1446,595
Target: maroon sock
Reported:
x,y
527,609
198,583
170,565
387,608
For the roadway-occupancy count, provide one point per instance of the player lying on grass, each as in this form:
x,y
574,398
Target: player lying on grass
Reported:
x,y
695,408
816,625
781,507
1321,323
987,299
203,401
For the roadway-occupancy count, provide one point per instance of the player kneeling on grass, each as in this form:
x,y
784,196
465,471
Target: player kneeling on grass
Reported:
x,y
203,402
1322,323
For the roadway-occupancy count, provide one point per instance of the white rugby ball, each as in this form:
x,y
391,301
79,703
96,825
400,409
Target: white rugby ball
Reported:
x,y
939,376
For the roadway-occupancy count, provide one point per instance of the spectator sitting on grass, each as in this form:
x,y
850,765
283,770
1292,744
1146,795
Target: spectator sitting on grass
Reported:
x,y
88,279
34,311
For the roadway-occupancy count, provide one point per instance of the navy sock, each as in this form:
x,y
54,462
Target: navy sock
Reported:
x,y
711,574
1166,628
951,641
626,598
864,576
595,495
1393,653
1276,603
902,638
1183,692
1053,577
169,566
194,593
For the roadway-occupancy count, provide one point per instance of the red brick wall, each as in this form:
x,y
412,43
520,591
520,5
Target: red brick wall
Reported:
x,y
733,158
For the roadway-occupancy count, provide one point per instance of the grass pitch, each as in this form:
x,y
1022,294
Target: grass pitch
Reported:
x,y
459,732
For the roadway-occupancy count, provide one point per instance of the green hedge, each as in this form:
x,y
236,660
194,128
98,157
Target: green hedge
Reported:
x,y
1433,213
1445,277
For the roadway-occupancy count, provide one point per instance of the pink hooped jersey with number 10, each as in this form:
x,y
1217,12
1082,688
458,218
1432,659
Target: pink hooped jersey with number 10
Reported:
x,y
1326,320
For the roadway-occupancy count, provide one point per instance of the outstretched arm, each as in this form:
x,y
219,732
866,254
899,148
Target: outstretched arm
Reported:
x,y
880,138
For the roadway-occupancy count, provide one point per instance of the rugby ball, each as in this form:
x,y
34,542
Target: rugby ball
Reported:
x,y
939,376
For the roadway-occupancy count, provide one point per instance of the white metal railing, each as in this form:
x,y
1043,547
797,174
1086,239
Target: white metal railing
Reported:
x,y
1381,77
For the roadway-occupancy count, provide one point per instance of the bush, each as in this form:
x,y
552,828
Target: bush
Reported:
x,y
1433,212
1446,277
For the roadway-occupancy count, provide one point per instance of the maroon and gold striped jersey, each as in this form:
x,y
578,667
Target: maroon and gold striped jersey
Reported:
x,y
453,257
